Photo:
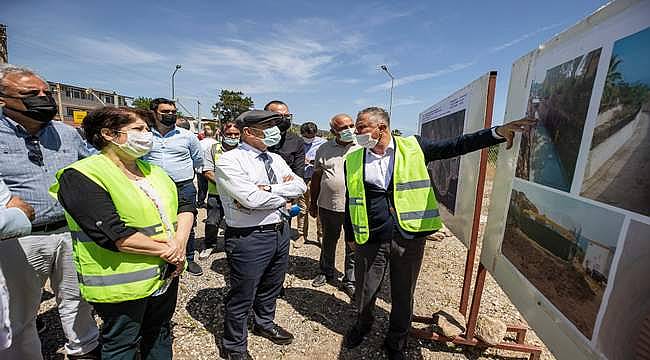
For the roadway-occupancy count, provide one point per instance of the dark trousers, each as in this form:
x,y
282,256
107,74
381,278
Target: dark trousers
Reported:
x,y
138,326
203,188
403,257
258,262
332,223
213,219
187,191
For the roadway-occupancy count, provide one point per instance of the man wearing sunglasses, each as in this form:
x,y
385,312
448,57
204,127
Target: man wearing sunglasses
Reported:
x,y
178,152
33,148
291,148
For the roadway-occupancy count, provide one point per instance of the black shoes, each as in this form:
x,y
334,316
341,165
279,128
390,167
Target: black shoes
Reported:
x,y
393,354
237,355
354,337
348,289
319,280
95,354
194,269
275,333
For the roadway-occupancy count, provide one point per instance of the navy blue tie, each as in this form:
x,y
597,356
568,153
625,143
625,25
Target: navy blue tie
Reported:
x,y
269,170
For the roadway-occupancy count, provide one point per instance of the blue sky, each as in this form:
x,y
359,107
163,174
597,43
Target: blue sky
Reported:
x,y
319,57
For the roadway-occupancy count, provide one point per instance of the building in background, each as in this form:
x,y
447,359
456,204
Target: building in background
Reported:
x,y
75,101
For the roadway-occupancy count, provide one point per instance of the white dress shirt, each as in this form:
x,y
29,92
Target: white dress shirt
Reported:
x,y
379,168
238,174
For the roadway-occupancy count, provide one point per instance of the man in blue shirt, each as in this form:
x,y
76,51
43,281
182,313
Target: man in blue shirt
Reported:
x,y
33,149
178,152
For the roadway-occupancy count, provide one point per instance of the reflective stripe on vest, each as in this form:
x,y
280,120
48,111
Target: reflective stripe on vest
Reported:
x,y
212,186
107,276
119,279
413,197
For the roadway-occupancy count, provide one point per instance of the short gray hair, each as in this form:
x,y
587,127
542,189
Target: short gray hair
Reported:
x,y
375,114
339,116
6,69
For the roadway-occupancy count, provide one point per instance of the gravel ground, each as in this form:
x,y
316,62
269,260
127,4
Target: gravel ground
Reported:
x,y
318,318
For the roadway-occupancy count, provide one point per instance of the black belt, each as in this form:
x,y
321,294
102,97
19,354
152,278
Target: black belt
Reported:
x,y
50,227
243,231
184,182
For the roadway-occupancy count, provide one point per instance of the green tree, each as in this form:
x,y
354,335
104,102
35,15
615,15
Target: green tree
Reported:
x,y
231,104
142,102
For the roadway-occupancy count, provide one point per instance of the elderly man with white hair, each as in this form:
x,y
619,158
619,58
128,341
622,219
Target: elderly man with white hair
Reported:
x,y
38,147
328,200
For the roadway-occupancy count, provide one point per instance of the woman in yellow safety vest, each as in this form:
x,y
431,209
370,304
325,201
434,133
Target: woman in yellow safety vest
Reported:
x,y
129,234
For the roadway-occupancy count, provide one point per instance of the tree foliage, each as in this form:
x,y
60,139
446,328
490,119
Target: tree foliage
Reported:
x,y
231,104
142,102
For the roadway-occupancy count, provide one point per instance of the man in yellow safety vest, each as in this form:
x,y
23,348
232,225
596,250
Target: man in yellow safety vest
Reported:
x,y
390,208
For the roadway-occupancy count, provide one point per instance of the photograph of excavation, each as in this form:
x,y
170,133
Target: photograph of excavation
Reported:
x,y
564,247
444,173
618,168
559,100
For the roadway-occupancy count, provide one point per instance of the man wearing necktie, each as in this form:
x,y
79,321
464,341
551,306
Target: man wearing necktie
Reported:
x,y
256,188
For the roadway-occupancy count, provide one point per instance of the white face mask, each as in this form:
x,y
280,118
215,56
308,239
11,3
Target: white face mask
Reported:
x,y
138,143
347,135
231,141
367,141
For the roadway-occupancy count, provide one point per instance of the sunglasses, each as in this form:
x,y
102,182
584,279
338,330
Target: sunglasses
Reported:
x,y
34,152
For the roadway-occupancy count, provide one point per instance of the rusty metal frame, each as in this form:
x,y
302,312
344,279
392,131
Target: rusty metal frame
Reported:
x,y
468,338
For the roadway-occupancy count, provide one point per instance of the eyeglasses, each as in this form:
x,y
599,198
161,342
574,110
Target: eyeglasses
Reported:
x,y
287,116
34,152
173,112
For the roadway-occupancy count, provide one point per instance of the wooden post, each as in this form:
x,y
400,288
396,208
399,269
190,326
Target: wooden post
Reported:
x,y
478,202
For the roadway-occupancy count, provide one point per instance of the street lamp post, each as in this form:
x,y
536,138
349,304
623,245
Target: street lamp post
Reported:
x,y
384,67
178,66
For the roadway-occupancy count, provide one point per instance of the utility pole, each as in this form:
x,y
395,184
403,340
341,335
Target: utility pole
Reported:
x,y
4,53
198,113
178,66
392,81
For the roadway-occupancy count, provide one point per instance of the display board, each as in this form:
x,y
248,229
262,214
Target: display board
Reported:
x,y
454,180
568,233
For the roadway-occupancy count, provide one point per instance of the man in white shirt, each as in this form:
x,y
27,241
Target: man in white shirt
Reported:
x,y
255,187
206,144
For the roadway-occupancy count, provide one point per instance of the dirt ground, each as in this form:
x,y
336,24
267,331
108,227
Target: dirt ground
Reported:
x,y
319,317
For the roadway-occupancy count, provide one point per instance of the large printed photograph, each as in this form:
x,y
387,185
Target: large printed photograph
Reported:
x,y
444,173
559,99
618,167
564,247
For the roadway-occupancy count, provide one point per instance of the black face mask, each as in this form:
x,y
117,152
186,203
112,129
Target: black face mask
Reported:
x,y
39,108
168,119
284,124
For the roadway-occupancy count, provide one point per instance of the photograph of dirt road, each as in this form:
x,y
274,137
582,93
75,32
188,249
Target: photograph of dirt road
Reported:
x,y
559,100
564,247
618,169
444,173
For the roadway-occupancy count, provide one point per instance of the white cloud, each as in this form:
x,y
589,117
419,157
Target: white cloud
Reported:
x,y
406,101
521,38
286,59
419,77
111,51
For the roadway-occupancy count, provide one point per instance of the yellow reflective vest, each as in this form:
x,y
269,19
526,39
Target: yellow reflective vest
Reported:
x,y
107,276
212,186
413,197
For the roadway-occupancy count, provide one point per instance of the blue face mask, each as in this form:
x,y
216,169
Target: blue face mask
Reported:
x,y
231,141
272,136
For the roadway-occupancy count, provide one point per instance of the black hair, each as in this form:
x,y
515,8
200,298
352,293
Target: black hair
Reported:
x,y
157,101
308,128
113,118
274,102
